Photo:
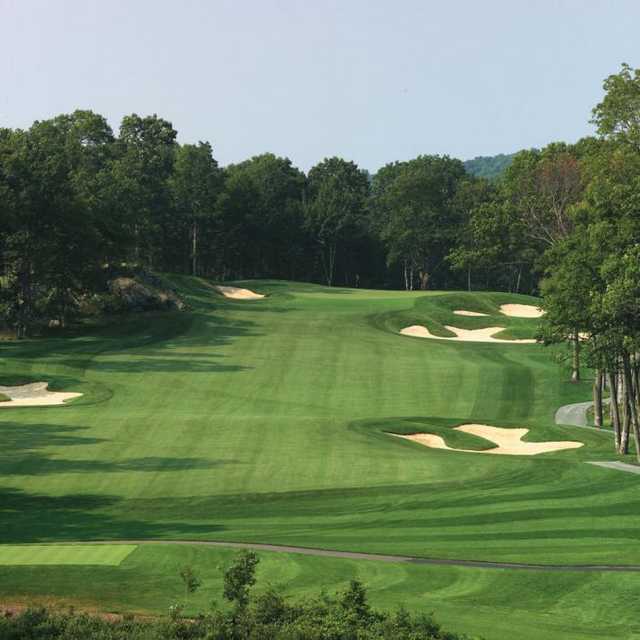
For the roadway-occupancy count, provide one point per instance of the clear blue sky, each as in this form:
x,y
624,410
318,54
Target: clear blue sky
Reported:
x,y
369,80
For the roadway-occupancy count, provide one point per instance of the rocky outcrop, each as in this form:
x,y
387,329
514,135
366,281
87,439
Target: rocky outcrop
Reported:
x,y
144,292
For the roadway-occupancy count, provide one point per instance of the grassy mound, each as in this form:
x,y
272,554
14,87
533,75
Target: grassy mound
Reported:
x,y
436,311
442,427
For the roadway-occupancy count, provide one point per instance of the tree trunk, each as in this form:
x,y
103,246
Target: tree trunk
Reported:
x,y
328,263
468,278
597,398
25,305
194,248
424,279
626,423
631,399
626,415
332,264
406,275
518,280
615,411
575,366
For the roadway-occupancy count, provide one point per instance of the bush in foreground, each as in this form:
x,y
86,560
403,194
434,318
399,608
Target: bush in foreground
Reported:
x,y
268,616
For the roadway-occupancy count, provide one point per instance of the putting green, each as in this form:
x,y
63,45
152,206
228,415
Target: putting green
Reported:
x,y
80,554
268,422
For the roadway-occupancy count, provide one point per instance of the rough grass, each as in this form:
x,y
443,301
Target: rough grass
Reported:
x,y
265,421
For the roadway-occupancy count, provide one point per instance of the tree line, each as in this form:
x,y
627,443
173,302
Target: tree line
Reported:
x,y
77,200
591,283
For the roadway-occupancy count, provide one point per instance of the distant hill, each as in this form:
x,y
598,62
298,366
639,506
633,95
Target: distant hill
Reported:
x,y
489,167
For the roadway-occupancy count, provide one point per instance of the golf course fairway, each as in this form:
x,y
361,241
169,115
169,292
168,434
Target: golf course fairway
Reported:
x,y
270,421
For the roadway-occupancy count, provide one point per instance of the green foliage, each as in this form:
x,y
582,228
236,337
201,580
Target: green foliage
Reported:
x,y
618,115
4,398
335,213
260,230
195,184
240,577
489,167
190,581
267,615
416,214
270,616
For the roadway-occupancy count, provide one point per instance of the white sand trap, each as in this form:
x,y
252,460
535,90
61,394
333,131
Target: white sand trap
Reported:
x,y
463,335
470,314
236,293
509,441
35,394
521,310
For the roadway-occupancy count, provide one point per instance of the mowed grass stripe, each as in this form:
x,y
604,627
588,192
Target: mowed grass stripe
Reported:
x,y
105,555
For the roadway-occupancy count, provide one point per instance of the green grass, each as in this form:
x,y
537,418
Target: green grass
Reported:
x,y
268,421
492,604
57,554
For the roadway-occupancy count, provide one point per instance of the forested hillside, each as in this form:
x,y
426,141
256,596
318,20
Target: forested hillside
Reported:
x,y
489,167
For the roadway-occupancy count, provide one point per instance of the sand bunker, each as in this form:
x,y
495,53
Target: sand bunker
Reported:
x,y
521,310
236,293
463,335
470,314
509,441
35,394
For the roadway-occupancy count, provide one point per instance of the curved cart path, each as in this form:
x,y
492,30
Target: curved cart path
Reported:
x,y
576,416
354,555
573,414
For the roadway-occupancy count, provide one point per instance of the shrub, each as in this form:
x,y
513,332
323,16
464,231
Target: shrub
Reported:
x,y
267,616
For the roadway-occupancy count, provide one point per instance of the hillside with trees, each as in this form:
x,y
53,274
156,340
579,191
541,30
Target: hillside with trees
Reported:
x,y
489,167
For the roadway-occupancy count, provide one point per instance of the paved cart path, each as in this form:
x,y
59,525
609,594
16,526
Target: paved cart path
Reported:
x,y
576,416
573,414
619,466
354,555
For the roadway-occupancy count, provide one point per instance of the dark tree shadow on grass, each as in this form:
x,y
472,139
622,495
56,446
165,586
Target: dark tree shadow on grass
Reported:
x,y
30,517
21,455
141,363
28,437
39,465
